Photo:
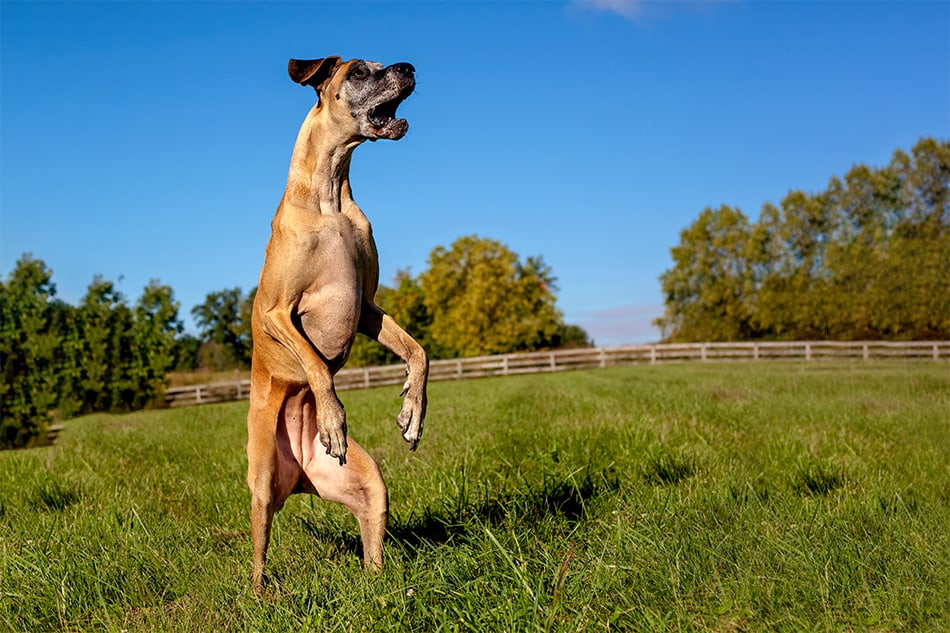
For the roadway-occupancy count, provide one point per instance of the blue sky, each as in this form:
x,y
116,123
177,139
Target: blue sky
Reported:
x,y
149,140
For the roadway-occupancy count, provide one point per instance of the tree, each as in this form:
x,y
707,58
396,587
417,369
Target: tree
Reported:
x,y
224,323
707,291
790,300
868,207
571,336
187,352
916,265
106,324
29,350
156,327
483,300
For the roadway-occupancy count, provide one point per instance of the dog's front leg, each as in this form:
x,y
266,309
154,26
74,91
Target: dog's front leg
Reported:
x,y
382,328
331,418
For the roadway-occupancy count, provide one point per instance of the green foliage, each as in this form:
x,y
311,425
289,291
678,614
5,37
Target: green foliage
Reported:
x,y
224,322
30,353
708,283
63,361
187,352
156,328
758,497
476,298
865,259
484,300
571,336
104,322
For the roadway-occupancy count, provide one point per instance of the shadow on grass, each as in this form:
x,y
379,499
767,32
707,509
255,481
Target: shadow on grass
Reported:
x,y
558,497
812,478
665,467
55,495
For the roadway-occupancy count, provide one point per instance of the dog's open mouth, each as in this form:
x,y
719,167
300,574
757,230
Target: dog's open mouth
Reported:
x,y
383,116
383,113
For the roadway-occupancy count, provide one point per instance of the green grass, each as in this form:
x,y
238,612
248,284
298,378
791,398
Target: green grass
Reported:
x,y
700,497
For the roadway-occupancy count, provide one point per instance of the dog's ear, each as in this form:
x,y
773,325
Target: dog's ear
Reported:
x,y
312,72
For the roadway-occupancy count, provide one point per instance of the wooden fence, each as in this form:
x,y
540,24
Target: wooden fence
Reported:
x,y
589,358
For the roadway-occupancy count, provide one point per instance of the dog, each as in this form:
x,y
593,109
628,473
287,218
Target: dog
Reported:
x,y
316,291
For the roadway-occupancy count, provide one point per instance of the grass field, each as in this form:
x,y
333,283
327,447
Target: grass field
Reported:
x,y
700,497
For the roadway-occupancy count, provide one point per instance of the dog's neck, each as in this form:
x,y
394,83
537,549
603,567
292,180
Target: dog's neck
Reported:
x,y
319,176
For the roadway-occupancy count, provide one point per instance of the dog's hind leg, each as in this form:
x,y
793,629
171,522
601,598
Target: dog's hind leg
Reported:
x,y
269,486
359,486
262,514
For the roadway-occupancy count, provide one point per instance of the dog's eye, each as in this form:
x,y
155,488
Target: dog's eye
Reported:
x,y
359,73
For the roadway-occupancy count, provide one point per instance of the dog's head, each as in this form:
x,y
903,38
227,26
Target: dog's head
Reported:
x,y
366,91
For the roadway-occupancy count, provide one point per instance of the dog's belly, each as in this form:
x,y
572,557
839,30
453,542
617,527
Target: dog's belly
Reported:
x,y
296,434
303,464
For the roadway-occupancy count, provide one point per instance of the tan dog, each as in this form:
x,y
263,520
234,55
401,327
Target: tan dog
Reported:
x,y
316,292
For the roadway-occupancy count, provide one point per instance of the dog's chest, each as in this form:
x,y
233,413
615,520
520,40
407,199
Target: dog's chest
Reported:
x,y
329,251
337,263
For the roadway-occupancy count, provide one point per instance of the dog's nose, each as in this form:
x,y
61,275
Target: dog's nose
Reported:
x,y
403,68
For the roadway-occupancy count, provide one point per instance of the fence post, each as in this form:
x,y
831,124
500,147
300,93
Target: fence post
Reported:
x,y
239,390
553,361
458,367
702,352
653,354
603,356
807,351
864,351
198,394
504,365
755,351
366,381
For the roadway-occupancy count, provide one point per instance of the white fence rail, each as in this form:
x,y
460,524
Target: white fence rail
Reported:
x,y
589,358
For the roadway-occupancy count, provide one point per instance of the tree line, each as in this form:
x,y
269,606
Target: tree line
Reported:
x,y
59,360
867,258
62,360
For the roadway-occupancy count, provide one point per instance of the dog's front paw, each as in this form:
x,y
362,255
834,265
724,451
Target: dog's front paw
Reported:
x,y
412,415
333,433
